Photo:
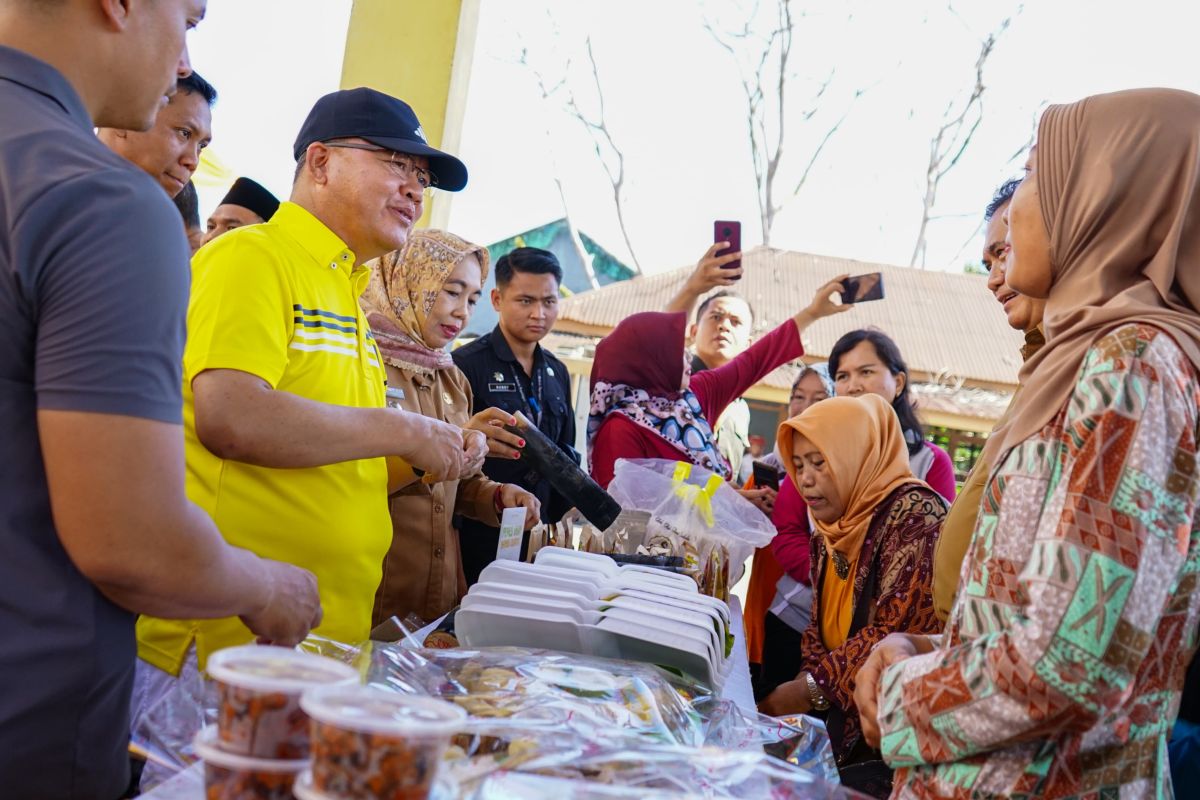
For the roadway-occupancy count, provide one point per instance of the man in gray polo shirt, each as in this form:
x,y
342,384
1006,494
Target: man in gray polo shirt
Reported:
x,y
94,522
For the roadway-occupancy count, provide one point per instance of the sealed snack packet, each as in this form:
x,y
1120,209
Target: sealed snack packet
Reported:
x,y
548,689
658,771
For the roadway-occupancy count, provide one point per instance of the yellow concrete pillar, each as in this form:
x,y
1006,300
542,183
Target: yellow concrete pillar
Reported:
x,y
420,51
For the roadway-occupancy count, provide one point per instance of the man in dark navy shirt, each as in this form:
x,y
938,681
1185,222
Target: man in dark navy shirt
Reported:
x,y
95,525
508,369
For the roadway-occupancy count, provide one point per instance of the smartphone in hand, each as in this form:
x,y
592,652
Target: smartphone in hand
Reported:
x,y
765,475
731,232
863,288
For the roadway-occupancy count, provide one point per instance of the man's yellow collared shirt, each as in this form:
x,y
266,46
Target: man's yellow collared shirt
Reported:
x,y
280,301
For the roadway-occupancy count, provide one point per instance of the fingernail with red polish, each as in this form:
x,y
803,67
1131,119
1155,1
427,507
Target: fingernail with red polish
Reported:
x,y
521,443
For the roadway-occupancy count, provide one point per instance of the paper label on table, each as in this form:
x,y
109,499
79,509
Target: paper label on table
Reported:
x,y
512,526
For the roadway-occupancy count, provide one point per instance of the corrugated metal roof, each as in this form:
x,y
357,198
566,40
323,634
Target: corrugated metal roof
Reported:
x,y
947,325
942,397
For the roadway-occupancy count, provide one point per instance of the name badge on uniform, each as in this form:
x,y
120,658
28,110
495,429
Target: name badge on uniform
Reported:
x,y
502,387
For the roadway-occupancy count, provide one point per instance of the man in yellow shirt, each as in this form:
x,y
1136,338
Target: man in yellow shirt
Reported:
x,y
286,425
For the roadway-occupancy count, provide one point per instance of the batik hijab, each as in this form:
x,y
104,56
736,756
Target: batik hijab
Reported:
x,y
1118,182
403,288
638,372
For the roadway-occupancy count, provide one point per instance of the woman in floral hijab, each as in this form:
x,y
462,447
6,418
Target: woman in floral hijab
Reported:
x,y
418,301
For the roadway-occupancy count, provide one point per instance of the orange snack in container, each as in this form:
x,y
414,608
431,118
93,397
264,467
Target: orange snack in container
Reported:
x,y
369,742
259,689
444,789
228,776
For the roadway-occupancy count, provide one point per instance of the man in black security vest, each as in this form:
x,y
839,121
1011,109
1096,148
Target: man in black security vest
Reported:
x,y
508,369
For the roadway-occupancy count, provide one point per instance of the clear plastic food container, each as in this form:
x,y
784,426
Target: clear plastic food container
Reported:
x,y
371,742
259,690
228,776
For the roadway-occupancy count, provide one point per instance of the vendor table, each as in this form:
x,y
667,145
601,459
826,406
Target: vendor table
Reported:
x,y
189,784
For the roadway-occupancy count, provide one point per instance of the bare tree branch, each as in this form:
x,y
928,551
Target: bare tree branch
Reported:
x,y
603,142
824,141
547,92
764,54
967,243
953,137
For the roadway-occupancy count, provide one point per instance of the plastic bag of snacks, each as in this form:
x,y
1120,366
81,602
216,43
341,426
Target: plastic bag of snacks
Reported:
x,y
544,689
800,740
356,655
694,516
657,771
486,746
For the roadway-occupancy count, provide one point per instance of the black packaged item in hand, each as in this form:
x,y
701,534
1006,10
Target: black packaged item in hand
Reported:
x,y
567,478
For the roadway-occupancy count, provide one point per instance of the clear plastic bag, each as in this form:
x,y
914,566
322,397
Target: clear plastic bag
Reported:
x,y
694,515
801,741
167,728
595,699
356,655
656,771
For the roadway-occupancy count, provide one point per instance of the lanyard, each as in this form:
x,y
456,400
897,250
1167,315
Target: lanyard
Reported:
x,y
534,404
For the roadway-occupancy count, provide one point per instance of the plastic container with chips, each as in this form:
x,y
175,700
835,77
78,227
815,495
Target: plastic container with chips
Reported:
x,y
259,690
371,742
228,776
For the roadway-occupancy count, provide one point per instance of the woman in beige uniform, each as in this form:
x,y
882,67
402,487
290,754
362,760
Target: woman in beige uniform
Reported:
x,y
418,301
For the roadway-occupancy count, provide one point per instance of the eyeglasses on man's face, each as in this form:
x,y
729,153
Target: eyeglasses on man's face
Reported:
x,y
401,165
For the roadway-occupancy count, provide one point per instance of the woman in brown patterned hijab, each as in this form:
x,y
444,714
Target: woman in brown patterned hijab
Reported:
x,y
1060,670
418,301
1117,180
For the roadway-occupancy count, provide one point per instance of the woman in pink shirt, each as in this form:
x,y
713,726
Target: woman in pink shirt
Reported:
x,y
869,362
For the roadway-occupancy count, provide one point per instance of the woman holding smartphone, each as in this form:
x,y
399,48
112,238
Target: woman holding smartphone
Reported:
x,y
647,404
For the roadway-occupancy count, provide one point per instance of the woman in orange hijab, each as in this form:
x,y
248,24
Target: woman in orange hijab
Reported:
x,y
872,549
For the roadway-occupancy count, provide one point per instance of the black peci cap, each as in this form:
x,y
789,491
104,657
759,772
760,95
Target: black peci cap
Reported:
x,y
251,195
382,120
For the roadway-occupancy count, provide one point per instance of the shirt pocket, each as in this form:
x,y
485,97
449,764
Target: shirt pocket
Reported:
x,y
557,423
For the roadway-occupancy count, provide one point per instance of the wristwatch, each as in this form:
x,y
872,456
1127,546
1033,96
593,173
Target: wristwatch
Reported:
x,y
819,701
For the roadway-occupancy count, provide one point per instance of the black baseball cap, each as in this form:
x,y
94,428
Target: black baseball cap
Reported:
x,y
382,120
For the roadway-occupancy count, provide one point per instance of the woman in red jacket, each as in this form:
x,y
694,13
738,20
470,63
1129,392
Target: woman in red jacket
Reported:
x,y
645,403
